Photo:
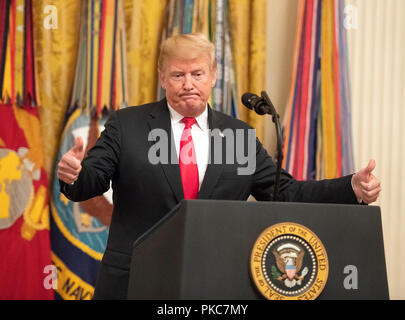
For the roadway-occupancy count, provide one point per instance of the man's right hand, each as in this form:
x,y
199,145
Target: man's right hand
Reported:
x,y
70,165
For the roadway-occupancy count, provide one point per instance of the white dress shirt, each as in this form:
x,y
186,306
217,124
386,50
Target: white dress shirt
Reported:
x,y
200,134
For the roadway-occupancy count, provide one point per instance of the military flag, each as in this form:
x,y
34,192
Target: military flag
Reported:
x,y
25,264
317,128
79,231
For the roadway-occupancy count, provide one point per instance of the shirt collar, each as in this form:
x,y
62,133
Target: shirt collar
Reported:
x,y
202,119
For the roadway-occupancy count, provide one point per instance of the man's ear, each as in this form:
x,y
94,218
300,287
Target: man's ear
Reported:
x,y
214,79
162,80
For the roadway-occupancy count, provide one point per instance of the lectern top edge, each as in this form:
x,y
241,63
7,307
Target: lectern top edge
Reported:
x,y
167,216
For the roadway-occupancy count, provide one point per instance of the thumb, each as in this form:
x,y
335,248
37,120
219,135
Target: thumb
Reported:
x,y
366,172
371,166
78,148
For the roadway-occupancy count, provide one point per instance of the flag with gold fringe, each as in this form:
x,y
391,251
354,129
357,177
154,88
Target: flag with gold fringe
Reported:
x,y
211,18
317,129
24,211
79,231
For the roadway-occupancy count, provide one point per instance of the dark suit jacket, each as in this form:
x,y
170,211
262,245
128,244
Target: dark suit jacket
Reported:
x,y
143,193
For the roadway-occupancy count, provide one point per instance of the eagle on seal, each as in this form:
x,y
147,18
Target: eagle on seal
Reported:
x,y
289,259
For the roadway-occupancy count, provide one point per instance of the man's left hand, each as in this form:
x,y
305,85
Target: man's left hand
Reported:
x,y
365,185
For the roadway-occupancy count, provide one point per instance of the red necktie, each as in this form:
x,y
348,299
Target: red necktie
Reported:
x,y
188,161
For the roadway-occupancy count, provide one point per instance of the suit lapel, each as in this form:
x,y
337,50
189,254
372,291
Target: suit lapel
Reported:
x,y
160,119
213,171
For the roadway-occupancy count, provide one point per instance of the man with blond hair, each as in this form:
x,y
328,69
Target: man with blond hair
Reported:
x,y
147,184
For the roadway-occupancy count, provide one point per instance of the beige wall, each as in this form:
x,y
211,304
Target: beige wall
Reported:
x,y
281,24
377,57
377,70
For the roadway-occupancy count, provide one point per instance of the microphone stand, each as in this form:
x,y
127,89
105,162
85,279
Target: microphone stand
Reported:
x,y
276,120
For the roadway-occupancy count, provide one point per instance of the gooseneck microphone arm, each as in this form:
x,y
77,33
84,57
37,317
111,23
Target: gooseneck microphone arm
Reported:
x,y
263,105
276,120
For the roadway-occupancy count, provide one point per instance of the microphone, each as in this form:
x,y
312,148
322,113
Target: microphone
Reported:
x,y
263,105
255,103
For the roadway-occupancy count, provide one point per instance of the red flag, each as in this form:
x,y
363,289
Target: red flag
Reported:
x,y
24,212
26,271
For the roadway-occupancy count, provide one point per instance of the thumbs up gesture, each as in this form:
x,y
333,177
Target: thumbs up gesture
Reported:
x,y
70,166
365,185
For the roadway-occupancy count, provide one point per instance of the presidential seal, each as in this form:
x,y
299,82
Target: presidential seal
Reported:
x,y
289,262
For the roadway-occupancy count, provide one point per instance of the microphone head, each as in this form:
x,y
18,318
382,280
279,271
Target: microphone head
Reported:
x,y
250,100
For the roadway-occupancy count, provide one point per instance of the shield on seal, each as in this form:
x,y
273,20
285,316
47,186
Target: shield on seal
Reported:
x,y
290,270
